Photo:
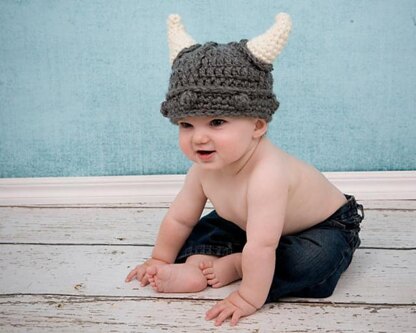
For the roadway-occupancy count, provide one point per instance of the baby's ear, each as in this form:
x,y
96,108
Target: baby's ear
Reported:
x,y
260,128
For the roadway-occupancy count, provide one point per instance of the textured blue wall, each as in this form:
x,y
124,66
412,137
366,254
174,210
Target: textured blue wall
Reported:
x,y
81,83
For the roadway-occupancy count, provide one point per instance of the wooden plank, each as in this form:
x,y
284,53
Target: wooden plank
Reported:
x,y
381,228
389,204
389,229
80,225
379,276
92,314
375,276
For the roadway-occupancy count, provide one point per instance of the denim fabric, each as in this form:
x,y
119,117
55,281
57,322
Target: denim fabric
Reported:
x,y
308,263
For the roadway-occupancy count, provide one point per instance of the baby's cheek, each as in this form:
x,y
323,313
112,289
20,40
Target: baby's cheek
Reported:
x,y
183,145
186,150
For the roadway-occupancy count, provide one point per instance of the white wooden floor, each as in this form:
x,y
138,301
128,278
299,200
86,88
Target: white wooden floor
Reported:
x,y
62,269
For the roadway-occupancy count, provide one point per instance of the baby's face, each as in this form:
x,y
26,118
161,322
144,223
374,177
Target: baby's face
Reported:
x,y
217,142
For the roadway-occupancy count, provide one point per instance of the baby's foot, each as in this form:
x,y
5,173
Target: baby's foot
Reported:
x,y
176,278
222,271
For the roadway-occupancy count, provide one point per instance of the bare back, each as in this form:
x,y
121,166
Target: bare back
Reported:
x,y
311,197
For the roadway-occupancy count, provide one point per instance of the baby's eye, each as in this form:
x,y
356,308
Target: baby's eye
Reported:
x,y
217,122
184,124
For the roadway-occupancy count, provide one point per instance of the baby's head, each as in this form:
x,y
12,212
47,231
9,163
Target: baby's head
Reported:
x,y
223,80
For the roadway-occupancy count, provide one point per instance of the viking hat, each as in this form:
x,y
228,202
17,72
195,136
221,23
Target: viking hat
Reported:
x,y
228,80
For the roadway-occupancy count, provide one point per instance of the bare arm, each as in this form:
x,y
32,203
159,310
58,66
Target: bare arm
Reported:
x,y
176,226
267,198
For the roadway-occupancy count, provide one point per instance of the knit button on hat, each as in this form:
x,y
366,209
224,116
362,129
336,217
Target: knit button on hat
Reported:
x,y
224,80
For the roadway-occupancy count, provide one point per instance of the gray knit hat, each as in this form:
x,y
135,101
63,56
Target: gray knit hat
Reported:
x,y
227,80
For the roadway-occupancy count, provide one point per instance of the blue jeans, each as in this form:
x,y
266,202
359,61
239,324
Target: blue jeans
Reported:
x,y
308,263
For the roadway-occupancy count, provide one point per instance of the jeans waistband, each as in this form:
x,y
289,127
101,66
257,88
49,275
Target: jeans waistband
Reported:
x,y
350,208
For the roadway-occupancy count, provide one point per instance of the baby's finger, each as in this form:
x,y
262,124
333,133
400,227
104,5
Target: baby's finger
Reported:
x,y
214,311
236,317
227,312
131,275
136,273
144,281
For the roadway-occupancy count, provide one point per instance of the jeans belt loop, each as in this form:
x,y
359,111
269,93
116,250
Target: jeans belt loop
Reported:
x,y
361,208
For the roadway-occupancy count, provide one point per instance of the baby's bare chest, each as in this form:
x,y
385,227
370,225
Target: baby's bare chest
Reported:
x,y
229,200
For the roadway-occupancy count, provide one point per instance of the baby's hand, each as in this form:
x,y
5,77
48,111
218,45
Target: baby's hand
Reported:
x,y
139,272
233,306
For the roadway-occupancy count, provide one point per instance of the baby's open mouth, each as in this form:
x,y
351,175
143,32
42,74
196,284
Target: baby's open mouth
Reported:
x,y
205,152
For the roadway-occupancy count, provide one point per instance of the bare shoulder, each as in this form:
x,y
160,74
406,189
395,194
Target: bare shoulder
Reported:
x,y
272,169
270,180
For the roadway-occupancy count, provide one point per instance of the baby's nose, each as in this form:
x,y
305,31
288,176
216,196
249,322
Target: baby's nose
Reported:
x,y
200,137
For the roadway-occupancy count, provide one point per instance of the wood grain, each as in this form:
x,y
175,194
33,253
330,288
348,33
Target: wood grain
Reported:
x,y
62,268
381,228
100,270
105,314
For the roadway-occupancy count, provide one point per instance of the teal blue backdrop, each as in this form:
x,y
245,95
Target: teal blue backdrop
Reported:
x,y
81,83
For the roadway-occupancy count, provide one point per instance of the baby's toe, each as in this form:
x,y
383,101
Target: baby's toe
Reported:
x,y
207,268
205,265
213,281
159,286
151,271
155,283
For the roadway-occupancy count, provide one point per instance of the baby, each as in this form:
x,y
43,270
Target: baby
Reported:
x,y
278,225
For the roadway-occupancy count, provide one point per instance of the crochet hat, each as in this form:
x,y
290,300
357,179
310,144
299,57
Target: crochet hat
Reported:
x,y
227,80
